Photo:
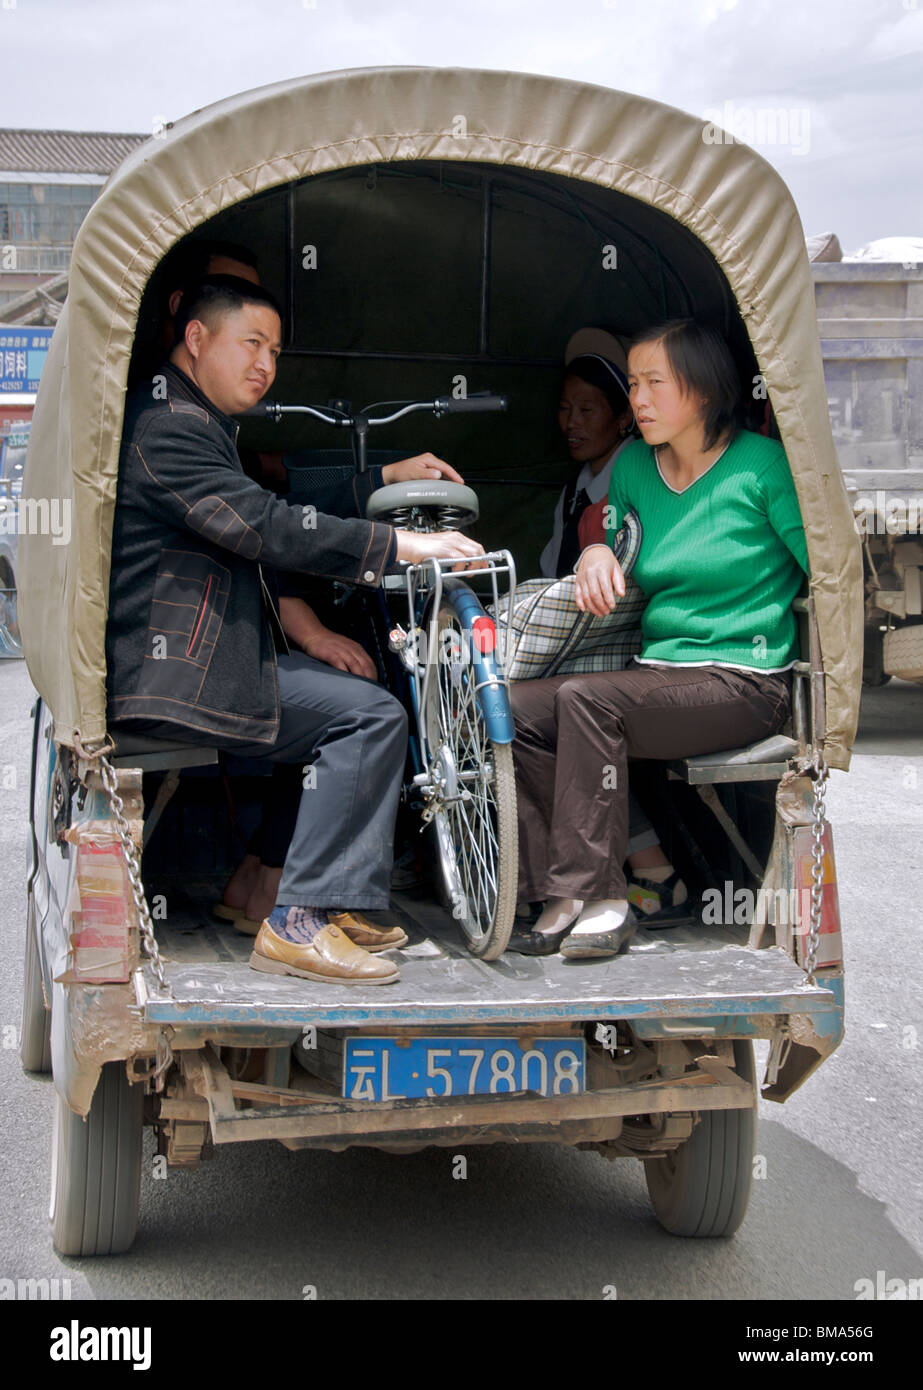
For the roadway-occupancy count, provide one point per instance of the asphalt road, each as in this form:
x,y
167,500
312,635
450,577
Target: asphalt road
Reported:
x,y
840,1199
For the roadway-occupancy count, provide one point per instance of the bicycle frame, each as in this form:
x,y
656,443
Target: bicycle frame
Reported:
x,y
426,583
454,653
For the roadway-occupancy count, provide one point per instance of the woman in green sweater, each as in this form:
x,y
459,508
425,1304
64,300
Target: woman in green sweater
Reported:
x,y
723,557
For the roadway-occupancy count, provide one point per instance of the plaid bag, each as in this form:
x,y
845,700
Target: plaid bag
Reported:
x,y
549,634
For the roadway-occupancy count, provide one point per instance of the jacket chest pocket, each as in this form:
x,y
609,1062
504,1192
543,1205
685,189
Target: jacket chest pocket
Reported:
x,y
187,609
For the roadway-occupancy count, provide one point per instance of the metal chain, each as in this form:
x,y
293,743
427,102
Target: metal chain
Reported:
x,y
130,851
822,773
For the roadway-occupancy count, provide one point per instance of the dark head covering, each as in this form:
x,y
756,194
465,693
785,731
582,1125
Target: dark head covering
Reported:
x,y
598,371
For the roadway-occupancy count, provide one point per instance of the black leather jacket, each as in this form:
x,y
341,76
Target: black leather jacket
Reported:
x,y
189,638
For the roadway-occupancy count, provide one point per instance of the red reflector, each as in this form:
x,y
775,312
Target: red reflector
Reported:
x,y
484,634
101,910
829,941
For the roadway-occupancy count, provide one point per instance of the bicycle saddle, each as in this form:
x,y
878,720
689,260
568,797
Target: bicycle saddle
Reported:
x,y
454,504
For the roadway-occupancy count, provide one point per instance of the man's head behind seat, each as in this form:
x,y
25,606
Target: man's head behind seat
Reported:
x,y
228,339
192,261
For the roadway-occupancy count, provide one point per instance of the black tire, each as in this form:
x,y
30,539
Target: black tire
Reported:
x,y
873,667
35,1035
703,1187
476,842
96,1169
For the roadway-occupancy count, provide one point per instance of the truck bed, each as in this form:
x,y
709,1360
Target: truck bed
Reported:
x,y
681,974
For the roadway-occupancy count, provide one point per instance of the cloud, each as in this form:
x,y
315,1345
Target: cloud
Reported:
x,y
103,64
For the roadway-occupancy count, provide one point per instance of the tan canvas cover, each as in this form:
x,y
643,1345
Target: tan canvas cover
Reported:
x,y
729,197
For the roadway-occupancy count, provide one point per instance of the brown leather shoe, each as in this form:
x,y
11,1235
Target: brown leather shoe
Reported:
x,y
330,958
242,923
368,934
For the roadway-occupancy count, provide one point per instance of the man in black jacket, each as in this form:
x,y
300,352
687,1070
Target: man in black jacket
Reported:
x,y
193,629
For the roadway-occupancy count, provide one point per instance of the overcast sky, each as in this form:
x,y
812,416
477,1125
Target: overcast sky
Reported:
x,y
848,74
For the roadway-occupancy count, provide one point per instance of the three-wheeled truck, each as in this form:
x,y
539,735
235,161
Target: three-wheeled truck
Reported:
x,y
430,232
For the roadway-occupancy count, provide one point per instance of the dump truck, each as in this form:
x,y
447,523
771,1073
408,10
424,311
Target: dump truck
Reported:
x,y
870,318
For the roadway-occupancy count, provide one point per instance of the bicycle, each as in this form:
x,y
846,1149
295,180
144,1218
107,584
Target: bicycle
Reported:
x,y
449,673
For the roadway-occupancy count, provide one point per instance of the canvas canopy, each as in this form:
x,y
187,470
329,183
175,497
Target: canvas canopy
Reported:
x,y
701,223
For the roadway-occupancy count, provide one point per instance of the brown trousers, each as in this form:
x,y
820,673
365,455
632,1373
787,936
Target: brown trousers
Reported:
x,y
574,737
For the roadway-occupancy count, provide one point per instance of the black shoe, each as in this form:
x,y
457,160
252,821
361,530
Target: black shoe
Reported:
x,y
537,943
602,943
642,890
684,915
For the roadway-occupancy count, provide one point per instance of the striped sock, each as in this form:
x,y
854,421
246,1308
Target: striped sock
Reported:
x,y
297,924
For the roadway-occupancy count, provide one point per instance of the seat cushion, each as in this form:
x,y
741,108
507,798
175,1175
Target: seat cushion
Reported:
x,y
775,749
140,750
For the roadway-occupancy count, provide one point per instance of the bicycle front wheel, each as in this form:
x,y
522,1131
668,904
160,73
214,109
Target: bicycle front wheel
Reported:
x,y
471,796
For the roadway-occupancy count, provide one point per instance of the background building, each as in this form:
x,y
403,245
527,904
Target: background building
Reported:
x,y
48,181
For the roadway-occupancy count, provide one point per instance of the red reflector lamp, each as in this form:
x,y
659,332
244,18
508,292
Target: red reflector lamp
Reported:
x,y
829,940
484,635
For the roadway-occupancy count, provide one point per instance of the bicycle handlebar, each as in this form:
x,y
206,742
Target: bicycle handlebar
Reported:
x,y
274,410
452,405
479,403
362,421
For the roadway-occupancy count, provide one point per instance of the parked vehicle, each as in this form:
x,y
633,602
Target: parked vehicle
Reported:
x,y
420,252
870,318
13,445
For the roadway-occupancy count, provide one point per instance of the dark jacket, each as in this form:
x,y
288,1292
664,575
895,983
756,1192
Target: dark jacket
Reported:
x,y
190,633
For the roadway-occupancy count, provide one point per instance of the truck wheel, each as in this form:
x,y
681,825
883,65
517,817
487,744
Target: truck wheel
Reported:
x,y
476,833
96,1169
873,667
35,1036
903,652
702,1188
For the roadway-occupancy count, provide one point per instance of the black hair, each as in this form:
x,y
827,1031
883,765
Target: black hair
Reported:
x,y
701,361
592,369
187,263
217,295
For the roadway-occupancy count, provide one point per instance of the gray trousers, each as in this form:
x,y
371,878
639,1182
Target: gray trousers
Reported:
x,y
349,737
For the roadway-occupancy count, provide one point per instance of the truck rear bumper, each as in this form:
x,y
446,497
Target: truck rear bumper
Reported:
x,y
307,1117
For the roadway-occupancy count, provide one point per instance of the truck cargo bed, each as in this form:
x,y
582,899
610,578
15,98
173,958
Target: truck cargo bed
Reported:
x,y
682,973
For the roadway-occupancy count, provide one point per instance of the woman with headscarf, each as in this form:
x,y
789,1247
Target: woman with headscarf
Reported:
x,y
597,422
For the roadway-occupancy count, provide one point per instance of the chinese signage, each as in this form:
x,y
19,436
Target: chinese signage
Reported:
x,y
22,357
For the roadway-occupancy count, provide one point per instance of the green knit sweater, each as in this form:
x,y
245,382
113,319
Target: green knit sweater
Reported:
x,y
720,561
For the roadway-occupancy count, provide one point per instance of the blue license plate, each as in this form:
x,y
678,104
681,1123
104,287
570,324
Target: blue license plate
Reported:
x,y
388,1069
